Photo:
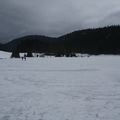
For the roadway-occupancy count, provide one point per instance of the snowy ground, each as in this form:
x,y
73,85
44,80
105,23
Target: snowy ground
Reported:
x,y
4,55
60,88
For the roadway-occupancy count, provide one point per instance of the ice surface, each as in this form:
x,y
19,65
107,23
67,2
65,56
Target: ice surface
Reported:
x,y
60,88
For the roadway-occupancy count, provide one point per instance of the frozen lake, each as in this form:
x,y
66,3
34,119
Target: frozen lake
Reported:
x,y
60,88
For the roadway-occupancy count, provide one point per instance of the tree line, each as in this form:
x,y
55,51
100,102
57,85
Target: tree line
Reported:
x,y
89,41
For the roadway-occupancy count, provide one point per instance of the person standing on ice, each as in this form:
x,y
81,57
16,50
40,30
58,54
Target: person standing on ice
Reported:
x,y
25,57
22,58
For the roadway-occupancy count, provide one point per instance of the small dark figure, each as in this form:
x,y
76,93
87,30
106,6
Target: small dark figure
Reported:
x,y
37,55
25,57
22,58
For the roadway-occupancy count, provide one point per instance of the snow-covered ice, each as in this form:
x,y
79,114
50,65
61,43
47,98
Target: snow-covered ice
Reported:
x,y
60,88
4,54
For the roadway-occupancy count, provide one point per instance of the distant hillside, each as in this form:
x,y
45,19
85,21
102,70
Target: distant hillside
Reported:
x,y
23,44
92,41
1,44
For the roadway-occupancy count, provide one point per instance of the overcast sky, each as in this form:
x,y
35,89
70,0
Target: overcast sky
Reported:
x,y
54,17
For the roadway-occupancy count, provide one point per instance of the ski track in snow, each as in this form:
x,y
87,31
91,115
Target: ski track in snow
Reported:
x,y
60,88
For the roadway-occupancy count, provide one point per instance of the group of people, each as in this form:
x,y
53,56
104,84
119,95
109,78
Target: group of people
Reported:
x,y
24,57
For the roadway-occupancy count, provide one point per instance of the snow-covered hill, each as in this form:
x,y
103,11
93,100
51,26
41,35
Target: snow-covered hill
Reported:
x,y
60,88
4,54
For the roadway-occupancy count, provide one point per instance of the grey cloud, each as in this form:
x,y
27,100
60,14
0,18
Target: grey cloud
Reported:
x,y
13,21
54,17
111,19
